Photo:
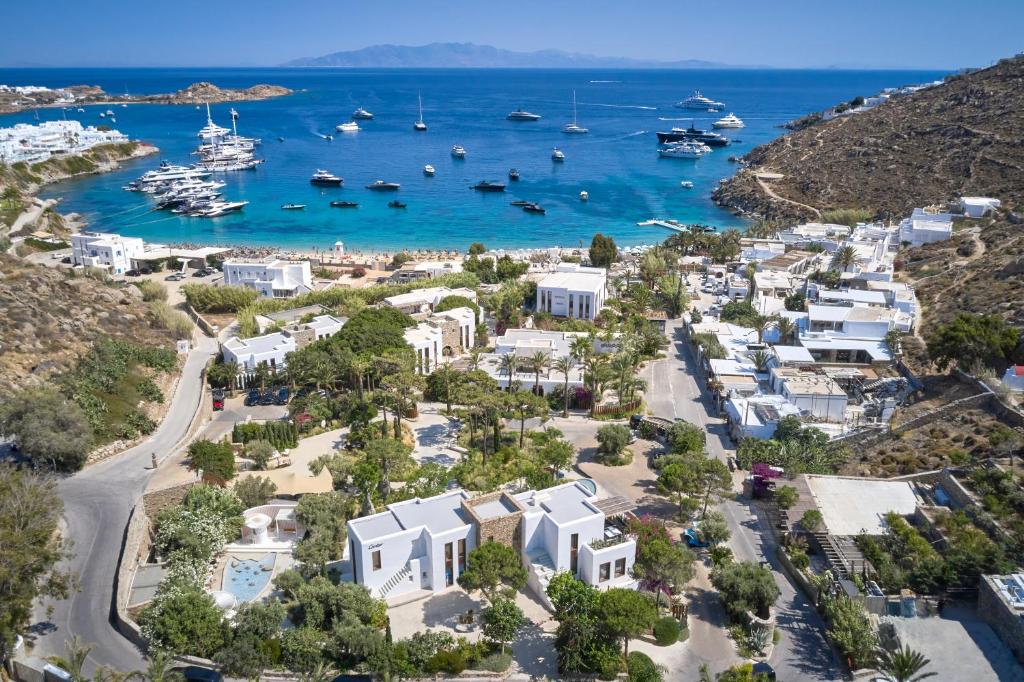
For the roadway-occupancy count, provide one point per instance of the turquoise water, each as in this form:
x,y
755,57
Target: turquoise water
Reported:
x,y
616,163
248,577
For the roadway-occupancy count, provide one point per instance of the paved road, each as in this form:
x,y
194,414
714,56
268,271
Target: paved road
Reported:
x,y
97,502
672,391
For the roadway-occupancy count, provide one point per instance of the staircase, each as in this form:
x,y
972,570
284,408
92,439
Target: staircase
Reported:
x,y
393,581
543,567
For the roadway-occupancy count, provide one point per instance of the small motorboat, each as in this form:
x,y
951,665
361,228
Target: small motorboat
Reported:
x,y
325,179
485,186
350,127
344,204
513,174
428,170
328,137
584,196
280,139
557,155
396,204
458,151
533,208
292,207
381,186
81,110
520,202
686,184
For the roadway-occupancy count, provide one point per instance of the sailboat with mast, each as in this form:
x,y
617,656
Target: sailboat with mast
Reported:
x,y
573,128
419,124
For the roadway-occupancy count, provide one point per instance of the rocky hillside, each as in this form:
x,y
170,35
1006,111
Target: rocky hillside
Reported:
x,y
959,138
201,93
197,93
49,319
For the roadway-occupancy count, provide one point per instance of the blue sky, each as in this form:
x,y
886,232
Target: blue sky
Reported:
x,y
785,33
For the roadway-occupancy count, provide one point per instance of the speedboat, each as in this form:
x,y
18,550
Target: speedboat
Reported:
x,y
730,121
685,150
292,207
396,204
381,186
280,139
557,155
350,127
344,204
328,137
81,110
219,208
325,179
513,174
573,128
419,124
458,151
584,195
428,170
520,202
110,112
533,208
686,184
699,102
361,114
485,186
520,115
691,134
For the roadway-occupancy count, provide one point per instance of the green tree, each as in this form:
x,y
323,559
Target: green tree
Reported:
x,y
243,657
453,302
795,302
564,365
538,362
674,296
495,570
477,249
74,658
684,438
260,452
158,668
187,622
373,331
603,251
626,614
612,439
811,520
851,630
215,460
903,665
843,258
973,341
47,427
507,367
254,491
786,496
745,586
714,528
502,620
642,669
527,405
302,648
259,620
663,566
389,455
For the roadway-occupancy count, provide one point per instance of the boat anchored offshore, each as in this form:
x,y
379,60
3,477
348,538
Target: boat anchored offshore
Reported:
x,y
520,115
361,114
458,151
428,170
325,179
396,204
344,204
691,134
686,184
292,207
381,186
513,175
419,124
584,195
557,155
700,102
573,128
730,121
533,208
685,150
485,186
350,127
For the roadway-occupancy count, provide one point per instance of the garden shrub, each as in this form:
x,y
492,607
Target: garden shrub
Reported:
x,y
497,662
641,668
666,631
451,662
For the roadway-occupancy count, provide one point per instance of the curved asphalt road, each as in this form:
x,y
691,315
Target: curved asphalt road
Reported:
x,y
97,503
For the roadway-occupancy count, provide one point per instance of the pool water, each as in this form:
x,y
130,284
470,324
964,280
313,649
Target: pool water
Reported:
x,y
246,578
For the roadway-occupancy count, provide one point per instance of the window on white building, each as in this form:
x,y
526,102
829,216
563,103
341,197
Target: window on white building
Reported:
x,y
605,572
375,557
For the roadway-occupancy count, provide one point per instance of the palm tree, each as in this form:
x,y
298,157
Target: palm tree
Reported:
x,y
785,327
158,669
73,661
844,257
902,665
564,365
321,672
538,362
623,366
760,360
581,347
761,324
508,366
594,377
474,359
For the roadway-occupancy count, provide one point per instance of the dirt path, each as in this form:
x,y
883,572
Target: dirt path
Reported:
x,y
771,193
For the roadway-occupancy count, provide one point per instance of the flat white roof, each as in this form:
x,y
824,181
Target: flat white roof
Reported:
x,y
576,280
876,348
793,354
437,514
855,295
258,344
828,313
732,368
564,503
850,506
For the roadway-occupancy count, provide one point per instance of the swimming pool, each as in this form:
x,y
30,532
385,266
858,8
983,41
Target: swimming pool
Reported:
x,y
246,578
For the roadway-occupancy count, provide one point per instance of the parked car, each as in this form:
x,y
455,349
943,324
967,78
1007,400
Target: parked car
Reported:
x,y
281,398
202,272
66,259
195,673
218,399
252,397
763,668
694,538
132,273
175,277
268,397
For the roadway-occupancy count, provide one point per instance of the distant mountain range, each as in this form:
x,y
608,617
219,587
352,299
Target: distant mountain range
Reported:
x,y
469,55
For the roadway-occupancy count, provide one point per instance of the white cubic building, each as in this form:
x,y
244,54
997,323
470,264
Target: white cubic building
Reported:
x,y
427,342
423,544
34,143
424,300
815,394
249,353
926,227
573,291
109,251
271,277
978,207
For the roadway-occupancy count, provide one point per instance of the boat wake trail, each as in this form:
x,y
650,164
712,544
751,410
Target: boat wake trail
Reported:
x,y
605,81
618,106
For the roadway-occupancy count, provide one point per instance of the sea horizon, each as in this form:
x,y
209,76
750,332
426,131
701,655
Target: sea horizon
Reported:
x,y
616,163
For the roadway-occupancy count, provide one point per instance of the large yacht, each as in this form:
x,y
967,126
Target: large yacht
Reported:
x,y
361,114
381,186
573,128
325,179
168,172
485,186
708,137
698,101
685,150
520,115
211,132
350,127
730,121
458,151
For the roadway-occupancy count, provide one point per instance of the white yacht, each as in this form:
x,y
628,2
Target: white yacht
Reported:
x,y
557,155
584,195
350,127
362,114
686,184
218,208
168,173
685,150
419,124
730,121
573,128
520,115
458,151
428,170
700,102
211,132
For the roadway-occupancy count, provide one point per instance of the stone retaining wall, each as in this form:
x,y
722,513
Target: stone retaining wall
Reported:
x,y
135,537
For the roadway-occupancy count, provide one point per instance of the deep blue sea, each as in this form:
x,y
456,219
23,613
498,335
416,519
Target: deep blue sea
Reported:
x,y
616,163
